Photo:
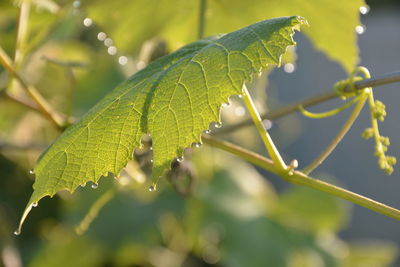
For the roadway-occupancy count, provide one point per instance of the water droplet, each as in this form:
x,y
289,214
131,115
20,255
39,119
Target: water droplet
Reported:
x,y
101,36
240,96
152,188
94,186
294,164
360,29
151,148
179,159
225,105
76,4
289,68
122,60
217,125
197,145
267,124
112,50
34,204
364,10
87,22
207,131
17,232
31,171
108,42
151,161
83,185
240,111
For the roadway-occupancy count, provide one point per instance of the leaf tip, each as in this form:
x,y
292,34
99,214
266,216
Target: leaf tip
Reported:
x,y
24,216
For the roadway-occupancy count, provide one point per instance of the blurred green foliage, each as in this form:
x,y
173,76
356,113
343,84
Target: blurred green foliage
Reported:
x,y
214,210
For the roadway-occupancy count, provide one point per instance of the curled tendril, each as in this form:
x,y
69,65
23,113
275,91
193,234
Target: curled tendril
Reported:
x,y
330,112
345,89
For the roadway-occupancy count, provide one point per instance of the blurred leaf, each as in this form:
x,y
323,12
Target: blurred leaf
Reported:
x,y
224,217
311,210
370,254
66,250
332,23
173,99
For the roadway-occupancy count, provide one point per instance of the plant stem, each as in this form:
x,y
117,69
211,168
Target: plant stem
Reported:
x,y
22,26
300,178
202,19
374,121
269,144
321,98
45,108
346,127
94,211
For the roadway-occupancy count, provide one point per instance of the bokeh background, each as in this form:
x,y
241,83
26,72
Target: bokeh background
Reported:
x,y
212,209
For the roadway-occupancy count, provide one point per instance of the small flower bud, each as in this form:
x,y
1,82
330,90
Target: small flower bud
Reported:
x,y
367,133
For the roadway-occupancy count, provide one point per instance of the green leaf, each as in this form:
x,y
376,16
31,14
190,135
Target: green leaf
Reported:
x,y
174,99
311,210
332,23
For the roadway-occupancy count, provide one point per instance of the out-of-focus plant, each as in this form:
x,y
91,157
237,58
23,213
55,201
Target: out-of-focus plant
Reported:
x,y
214,209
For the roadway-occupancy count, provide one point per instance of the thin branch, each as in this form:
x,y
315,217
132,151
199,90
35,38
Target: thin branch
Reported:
x,y
94,211
300,178
45,108
346,127
266,138
22,27
202,19
280,112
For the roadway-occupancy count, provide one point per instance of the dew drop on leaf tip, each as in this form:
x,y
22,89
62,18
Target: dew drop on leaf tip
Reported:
x,y
179,159
152,188
207,131
31,171
197,145
94,186
151,161
225,105
34,204
364,10
360,29
217,125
